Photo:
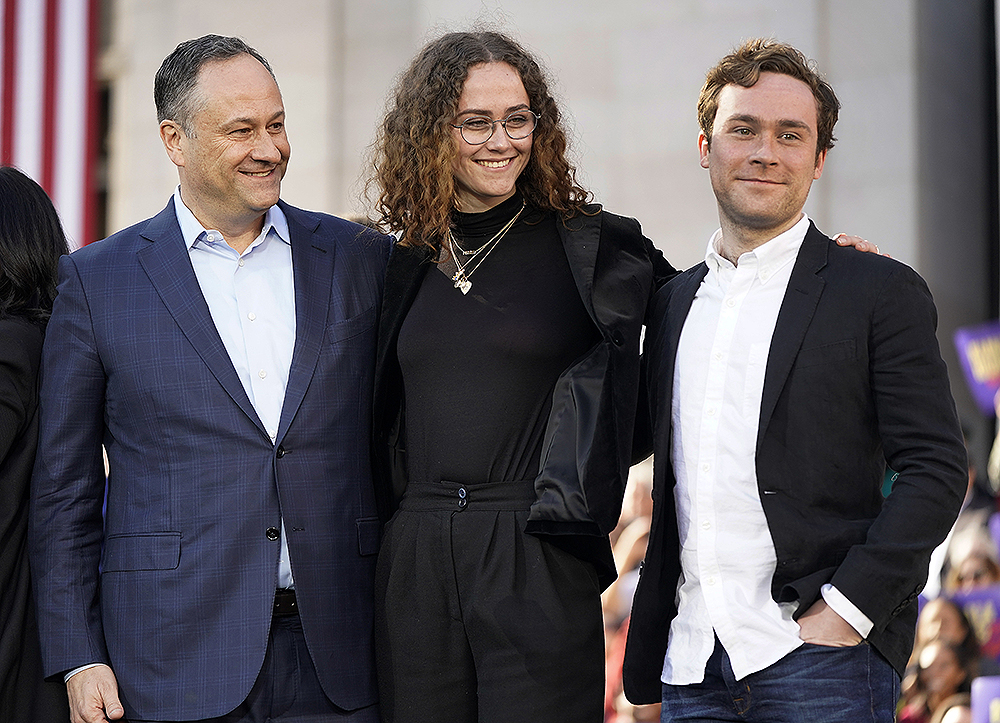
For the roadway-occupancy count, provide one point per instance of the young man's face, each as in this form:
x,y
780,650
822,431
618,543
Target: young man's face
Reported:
x,y
762,158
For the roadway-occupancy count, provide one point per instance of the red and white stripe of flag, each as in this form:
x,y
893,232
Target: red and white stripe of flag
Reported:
x,y
48,103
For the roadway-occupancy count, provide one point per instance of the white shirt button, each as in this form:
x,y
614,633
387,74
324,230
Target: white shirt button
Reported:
x,y
705,467
706,525
262,373
241,262
252,316
710,581
730,303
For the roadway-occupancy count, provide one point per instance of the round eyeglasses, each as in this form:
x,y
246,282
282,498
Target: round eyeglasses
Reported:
x,y
518,125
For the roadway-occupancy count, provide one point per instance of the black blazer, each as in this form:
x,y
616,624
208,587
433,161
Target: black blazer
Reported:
x,y
588,438
854,381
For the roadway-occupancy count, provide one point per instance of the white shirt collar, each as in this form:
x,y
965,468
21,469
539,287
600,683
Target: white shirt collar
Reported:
x,y
192,230
769,256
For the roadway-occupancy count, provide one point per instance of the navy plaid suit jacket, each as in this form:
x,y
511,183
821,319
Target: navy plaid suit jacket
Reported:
x,y
173,586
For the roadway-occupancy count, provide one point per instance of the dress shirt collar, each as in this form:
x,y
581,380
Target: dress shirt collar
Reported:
x,y
192,230
769,256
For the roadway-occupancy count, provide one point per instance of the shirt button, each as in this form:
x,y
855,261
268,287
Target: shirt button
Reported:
x,y
730,303
706,525
717,355
262,373
210,238
710,581
711,411
705,467
241,262
272,533
252,316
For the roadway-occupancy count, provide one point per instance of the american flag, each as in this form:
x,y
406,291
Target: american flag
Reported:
x,y
48,103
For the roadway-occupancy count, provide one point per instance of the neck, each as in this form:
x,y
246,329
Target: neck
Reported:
x,y
239,232
738,239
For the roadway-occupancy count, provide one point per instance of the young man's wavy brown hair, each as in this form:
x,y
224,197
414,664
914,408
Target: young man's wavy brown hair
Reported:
x,y
743,67
415,146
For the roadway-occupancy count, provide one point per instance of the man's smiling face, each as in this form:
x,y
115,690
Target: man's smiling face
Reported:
x,y
237,154
762,157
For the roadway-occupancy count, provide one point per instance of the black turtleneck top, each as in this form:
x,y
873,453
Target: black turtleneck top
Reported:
x,y
479,369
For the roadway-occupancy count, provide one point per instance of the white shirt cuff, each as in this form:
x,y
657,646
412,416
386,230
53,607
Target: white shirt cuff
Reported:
x,y
847,610
82,668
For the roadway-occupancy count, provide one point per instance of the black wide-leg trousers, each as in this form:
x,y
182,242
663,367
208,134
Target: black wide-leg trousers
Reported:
x,y
477,621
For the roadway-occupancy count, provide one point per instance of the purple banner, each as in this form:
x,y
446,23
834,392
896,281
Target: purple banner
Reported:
x,y
979,351
986,699
982,606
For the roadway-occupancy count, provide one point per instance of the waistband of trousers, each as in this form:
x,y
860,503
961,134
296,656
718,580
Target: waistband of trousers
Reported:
x,y
457,496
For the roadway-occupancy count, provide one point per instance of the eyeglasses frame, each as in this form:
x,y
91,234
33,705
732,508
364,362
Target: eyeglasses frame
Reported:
x,y
493,126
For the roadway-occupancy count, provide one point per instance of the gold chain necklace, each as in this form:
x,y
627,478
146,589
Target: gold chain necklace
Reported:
x,y
461,276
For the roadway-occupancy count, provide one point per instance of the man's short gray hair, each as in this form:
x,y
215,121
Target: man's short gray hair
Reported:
x,y
174,87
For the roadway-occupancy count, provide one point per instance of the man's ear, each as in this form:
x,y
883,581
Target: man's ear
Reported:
x,y
172,135
820,160
703,149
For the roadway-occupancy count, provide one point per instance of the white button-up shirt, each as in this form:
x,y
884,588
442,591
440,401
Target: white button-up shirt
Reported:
x,y
251,297
727,555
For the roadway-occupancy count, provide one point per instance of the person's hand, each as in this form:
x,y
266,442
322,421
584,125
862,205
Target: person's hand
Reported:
x,y
820,625
859,244
93,696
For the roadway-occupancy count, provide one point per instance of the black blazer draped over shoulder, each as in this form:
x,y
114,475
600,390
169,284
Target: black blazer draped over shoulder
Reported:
x,y
588,444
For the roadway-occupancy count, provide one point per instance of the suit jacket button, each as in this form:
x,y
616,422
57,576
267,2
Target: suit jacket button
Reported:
x,y
280,453
272,533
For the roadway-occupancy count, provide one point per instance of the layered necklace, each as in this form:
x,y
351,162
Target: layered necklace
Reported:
x,y
473,259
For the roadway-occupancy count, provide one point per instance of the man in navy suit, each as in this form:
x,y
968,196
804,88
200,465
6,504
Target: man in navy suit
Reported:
x,y
785,373
222,354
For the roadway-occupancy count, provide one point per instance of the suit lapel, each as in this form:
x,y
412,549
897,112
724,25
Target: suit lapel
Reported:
x,y
312,268
168,265
403,277
581,237
797,308
682,292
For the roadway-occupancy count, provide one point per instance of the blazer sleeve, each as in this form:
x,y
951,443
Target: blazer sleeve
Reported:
x,y
66,525
921,440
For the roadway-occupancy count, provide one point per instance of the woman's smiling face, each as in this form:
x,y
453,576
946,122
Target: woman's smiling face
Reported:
x,y
485,174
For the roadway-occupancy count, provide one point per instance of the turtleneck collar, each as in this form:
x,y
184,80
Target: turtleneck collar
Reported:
x,y
486,223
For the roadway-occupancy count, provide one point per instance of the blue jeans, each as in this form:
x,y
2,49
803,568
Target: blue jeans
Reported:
x,y
812,683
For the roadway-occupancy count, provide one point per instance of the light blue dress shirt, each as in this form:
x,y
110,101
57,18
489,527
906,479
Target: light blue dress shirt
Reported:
x,y
252,300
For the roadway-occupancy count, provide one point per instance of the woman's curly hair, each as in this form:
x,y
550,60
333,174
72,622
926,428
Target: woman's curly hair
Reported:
x,y
415,146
